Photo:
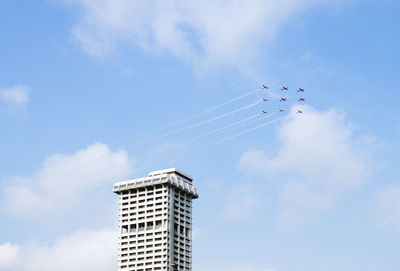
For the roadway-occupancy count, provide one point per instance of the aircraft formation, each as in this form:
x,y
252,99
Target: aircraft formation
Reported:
x,y
212,122
284,99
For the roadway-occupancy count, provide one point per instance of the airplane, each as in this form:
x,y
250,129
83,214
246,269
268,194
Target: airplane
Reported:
x,y
284,88
282,100
299,111
264,112
301,100
264,100
300,90
280,110
264,86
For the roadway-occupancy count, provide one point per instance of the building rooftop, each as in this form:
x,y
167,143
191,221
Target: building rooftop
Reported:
x,y
170,176
170,170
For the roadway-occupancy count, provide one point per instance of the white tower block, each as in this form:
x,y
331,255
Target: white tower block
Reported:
x,y
155,221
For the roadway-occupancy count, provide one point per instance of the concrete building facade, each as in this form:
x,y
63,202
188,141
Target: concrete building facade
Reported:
x,y
155,222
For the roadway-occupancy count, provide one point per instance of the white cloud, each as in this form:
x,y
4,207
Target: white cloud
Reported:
x,y
8,255
387,207
16,95
82,250
221,32
319,160
64,180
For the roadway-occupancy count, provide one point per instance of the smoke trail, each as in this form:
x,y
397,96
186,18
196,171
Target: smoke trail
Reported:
x,y
206,121
201,113
235,124
243,132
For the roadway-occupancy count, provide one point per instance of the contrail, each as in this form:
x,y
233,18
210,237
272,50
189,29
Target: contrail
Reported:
x,y
235,124
206,121
243,132
202,113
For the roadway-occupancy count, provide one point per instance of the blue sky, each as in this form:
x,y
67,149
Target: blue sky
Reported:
x,y
82,82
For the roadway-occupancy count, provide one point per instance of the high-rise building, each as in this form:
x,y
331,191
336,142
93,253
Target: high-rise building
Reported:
x,y
155,222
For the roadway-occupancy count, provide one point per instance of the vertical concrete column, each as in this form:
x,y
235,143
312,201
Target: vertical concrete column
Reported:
x,y
171,227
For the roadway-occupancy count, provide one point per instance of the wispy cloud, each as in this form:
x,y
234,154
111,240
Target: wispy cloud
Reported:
x,y
387,207
64,180
213,32
318,162
15,96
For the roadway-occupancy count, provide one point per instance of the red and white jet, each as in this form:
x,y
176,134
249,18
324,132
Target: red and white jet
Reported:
x,y
284,88
300,90
301,100
280,110
299,111
264,100
264,86
282,100
264,112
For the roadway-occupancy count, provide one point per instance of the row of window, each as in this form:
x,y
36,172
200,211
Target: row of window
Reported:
x,y
141,210
126,202
182,261
132,267
150,225
147,257
134,194
146,211
144,189
150,205
145,199
142,253
183,198
181,238
182,217
181,265
143,264
186,222
144,247
124,221
134,237
187,211
141,249
182,253
184,250
147,241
